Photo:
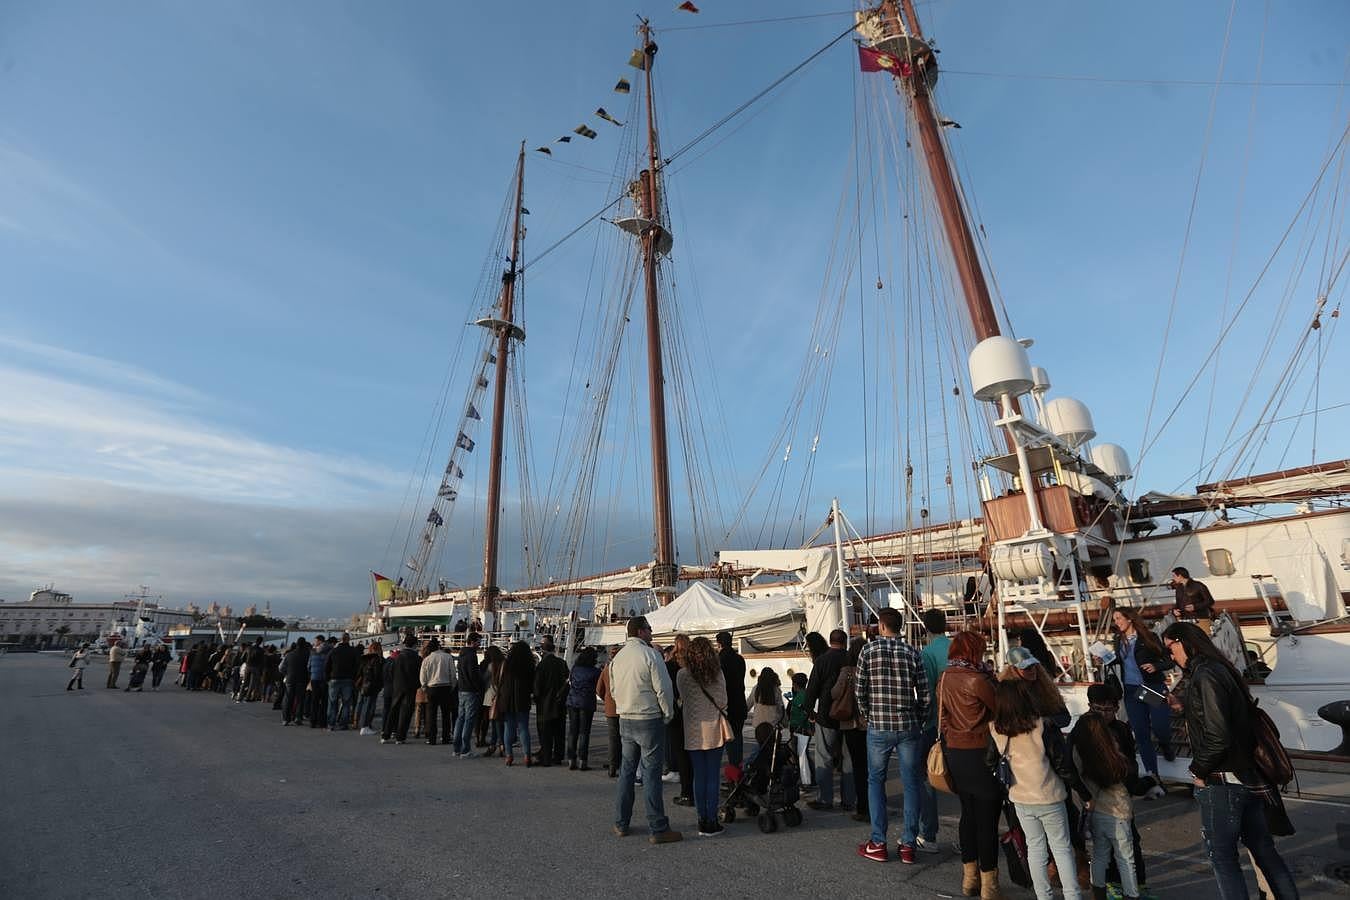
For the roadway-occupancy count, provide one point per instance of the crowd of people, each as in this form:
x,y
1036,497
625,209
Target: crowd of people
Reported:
x,y
866,703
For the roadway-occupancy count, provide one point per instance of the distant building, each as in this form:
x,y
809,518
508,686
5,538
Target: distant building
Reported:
x,y
40,620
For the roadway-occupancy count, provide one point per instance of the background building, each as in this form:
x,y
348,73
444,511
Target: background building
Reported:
x,y
51,618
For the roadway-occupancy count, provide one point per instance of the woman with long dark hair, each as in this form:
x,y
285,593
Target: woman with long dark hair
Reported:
x,y
1143,663
703,696
1034,752
1231,791
581,682
965,695
514,697
492,717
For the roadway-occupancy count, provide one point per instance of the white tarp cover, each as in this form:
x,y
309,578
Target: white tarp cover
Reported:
x,y
815,565
1305,579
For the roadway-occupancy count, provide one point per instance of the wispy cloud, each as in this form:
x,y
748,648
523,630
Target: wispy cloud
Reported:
x,y
71,414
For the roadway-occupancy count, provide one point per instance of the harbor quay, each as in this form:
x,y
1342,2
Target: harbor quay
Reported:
x,y
182,795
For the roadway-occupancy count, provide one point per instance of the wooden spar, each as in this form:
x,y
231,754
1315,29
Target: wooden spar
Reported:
x,y
664,571
954,222
487,594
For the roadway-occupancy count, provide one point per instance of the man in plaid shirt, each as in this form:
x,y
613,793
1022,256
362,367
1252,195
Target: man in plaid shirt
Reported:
x,y
892,694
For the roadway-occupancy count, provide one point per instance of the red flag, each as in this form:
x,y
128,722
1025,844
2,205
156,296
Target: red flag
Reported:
x,y
870,60
687,7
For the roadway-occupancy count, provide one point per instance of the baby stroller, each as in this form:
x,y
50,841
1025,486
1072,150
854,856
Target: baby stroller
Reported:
x,y
768,786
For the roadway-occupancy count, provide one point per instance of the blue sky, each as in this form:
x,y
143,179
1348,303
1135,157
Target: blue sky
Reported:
x,y
240,242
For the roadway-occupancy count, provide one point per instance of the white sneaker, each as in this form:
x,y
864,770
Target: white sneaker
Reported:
x,y
367,731
1154,793
670,777
926,846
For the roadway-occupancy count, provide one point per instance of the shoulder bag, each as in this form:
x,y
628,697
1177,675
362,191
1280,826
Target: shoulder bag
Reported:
x,y
723,723
938,775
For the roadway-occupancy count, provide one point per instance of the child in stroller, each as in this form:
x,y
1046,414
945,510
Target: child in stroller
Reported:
x,y
768,785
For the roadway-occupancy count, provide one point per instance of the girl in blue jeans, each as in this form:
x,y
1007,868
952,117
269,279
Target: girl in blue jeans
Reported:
x,y
1042,770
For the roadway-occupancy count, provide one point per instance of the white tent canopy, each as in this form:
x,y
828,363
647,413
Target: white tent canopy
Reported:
x,y
701,610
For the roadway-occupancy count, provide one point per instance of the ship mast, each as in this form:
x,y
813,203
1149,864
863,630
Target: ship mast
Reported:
x,y
654,236
907,34
506,330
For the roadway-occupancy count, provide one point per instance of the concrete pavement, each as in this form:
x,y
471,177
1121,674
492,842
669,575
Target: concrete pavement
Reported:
x,y
182,795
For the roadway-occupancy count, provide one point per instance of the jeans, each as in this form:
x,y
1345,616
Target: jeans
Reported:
x,y
294,702
707,782
928,814
318,703
802,744
1229,812
1146,722
468,712
829,747
643,742
516,723
736,746
615,743
905,746
677,758
365,710
400,714
855,741
552,734
156,676
1046,826
579,733
439,698
1111,837
340,694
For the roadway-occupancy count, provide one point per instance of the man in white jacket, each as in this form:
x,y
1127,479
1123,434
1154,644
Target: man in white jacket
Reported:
x,y
645,702
438,677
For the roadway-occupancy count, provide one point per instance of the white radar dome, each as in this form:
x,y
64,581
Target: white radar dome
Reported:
x,y
1040,380
1070,419
1113,460
998,366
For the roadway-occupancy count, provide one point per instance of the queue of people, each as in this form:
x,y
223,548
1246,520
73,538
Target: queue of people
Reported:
x,y
1003,737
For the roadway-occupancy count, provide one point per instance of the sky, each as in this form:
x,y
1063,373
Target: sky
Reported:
x,y
241,242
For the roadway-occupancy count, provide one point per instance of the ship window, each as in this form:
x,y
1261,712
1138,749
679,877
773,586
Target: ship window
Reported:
x,y
1220,561
1138,570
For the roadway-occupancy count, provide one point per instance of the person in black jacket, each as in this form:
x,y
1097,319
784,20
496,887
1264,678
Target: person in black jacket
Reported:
x,y
550,703
402,685
295,677
1143,664
369,681
340,671
470,679
1232,792
1194,602
733,670
829,741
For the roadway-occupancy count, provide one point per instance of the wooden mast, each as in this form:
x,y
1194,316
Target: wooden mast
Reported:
x,y
664,570
505,329
922,68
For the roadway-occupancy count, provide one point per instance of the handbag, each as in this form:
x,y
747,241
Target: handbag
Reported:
x,y
938,775
1269,755
1014,844
724,728
1003,770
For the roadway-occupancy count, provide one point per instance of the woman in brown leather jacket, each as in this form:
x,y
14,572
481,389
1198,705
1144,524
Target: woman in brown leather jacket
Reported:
x,y
965,708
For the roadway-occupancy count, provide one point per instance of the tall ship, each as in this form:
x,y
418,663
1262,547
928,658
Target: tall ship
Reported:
x,y
1009,513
